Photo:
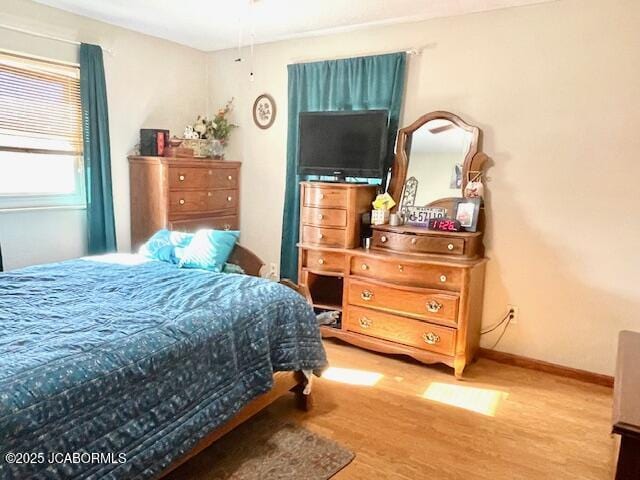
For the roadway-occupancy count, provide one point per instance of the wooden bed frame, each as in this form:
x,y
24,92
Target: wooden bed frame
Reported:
x,y
283,382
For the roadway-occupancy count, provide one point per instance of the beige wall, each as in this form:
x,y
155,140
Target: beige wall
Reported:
x,y
150,83
555,88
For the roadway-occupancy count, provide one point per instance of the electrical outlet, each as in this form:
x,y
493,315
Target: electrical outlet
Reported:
x,y
514,311
273,271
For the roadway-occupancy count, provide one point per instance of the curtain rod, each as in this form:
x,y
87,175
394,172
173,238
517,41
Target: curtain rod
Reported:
x,y
48,37
410,51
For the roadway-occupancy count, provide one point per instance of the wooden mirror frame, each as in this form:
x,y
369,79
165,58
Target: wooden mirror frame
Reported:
x,y
473,161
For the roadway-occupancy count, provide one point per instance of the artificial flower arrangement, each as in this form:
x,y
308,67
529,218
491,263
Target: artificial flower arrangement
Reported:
x,y
219,128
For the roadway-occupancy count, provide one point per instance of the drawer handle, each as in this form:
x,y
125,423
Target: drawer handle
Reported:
x,y
431,338
434,306
365,322
229,177
401,268
365,266
226,226
321,261
210,172
383,239
443,278
209,194
181,178
181,201
321,196
450,247
321,216
229,199
366,295
321,236
414,241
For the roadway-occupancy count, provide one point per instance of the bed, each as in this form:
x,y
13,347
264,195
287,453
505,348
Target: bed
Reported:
x,y
128,367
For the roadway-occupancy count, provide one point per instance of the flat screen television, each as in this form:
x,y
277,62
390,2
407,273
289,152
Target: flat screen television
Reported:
x,y
343,144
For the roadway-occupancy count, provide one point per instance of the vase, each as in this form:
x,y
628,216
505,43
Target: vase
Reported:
x,y
217,149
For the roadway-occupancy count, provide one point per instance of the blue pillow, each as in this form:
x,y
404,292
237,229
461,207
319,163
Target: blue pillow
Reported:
x,y
209,249
166,246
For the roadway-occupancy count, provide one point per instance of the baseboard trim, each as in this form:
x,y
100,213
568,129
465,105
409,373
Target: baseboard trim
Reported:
x,y
552,368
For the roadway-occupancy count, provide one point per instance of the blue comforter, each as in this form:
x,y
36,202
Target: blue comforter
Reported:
x,y
135,362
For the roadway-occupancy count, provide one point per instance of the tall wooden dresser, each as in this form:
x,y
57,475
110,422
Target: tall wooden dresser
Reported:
x,y
182,194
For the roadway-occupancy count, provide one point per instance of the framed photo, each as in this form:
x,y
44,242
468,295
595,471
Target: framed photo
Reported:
x,y
264,111
467,213
420,216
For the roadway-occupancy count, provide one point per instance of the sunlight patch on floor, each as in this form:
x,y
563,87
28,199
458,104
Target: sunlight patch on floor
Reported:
x,y
480,400
352,376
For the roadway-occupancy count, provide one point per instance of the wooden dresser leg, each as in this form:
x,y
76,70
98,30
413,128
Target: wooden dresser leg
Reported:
x,y
458,367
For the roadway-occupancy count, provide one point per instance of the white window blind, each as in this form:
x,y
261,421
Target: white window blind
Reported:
x,y
40,133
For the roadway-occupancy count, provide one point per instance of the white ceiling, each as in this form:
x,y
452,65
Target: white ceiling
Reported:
x,y
216,24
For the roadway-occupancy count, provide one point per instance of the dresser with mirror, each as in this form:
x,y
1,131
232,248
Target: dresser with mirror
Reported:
x,y
416,291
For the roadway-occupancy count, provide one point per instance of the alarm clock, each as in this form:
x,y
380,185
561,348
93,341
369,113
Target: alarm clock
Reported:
x,y
445,225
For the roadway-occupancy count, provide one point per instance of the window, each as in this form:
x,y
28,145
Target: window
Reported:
x,y
40,133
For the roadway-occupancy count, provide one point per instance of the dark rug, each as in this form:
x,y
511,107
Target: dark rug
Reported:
x,y
266,448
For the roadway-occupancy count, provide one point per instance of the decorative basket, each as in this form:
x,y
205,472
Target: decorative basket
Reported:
x,y
205,147
201,147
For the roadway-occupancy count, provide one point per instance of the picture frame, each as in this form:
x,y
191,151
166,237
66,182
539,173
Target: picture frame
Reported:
x,y
264,111
468,212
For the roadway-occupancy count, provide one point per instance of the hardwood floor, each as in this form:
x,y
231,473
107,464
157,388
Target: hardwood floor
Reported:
x,y
543,426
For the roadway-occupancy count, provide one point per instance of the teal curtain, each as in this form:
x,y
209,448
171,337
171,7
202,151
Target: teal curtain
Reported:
x,y
101,231
362,83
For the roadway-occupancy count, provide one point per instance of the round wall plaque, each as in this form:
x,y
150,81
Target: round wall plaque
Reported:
x,y
264,111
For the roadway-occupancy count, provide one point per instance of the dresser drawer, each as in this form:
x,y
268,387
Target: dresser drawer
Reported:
x,y
202,201
329,237
425,304
222,199
217,223
408,273
202,178
414,333
325,197
324,217
325,261
402,242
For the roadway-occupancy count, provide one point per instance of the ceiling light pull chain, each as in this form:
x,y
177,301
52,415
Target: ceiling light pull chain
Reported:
x,y
239,58
253,38
251,76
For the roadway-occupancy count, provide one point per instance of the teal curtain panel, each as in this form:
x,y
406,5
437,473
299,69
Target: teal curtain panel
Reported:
x,y
362,83
101,231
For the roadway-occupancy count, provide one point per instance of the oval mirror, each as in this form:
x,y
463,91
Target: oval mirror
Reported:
x,y
433,159
436,160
